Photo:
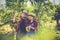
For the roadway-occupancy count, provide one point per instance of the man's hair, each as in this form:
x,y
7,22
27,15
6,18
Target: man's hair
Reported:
x,y
24,11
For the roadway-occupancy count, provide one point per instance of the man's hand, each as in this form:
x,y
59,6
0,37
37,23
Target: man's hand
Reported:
x,y
14,19
31,27
16,14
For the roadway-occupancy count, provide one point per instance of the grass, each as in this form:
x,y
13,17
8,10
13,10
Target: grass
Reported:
x,y
46,32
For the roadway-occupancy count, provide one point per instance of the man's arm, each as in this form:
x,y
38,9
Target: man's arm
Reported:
x,y
35,26
14,19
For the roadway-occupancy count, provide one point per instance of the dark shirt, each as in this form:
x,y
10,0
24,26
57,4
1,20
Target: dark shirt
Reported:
x,y
21,26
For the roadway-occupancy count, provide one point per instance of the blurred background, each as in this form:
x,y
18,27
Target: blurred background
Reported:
x,y
47,15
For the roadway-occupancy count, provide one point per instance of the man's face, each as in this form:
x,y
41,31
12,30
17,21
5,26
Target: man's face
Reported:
x,y
31,18
23,15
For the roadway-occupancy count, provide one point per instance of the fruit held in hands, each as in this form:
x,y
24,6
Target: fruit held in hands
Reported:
x,y
27,29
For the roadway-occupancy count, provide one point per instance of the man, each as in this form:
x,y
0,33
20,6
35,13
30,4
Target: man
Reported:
x,y
21,24
32,25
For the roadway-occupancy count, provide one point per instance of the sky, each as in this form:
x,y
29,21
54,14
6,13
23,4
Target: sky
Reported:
x,y
56,1
2,2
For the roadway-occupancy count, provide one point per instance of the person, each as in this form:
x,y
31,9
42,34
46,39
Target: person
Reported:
x,y
32,25
21,24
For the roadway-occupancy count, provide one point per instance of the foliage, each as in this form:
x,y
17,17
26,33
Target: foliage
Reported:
x,y
44,14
